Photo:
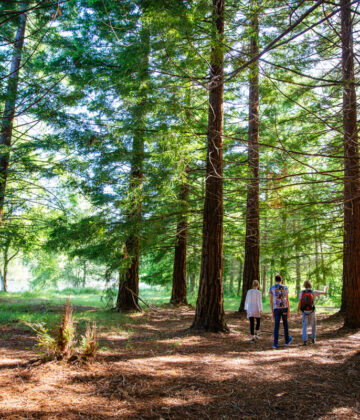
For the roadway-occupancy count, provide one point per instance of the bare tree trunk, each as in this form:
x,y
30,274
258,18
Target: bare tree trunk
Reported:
x,y
252,238
298,276
265,242
351,261
240,278
283,262
322,262
231,284
209,315
264,270
129,285
178,294
297,261
10,106
317,265
6,265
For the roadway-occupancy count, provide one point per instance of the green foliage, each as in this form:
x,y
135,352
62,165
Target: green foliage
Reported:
x,y
60,341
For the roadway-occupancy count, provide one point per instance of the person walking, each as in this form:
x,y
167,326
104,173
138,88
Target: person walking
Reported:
x,y
280,308
253,307
307,307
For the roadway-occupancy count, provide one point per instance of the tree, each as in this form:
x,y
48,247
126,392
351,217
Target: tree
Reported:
x,y
252,237
351,261
178,293
209,315
10,105
129,282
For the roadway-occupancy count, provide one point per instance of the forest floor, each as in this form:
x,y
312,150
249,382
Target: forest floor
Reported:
x,y
157,369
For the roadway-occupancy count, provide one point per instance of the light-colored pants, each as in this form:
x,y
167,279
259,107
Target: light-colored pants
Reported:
x,y
308,319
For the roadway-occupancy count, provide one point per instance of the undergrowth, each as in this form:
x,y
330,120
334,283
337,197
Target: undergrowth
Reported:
x,y
61,341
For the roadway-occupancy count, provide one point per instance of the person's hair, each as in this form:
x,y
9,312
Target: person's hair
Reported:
x,y
307,284
278,278
256,284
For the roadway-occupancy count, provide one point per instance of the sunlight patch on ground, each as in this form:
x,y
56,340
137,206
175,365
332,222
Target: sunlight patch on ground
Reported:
x,y
5,361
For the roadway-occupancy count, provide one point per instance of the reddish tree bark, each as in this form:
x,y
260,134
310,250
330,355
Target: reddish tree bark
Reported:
x,y
127,299
351,261
10,105
209,315
252,238
178,294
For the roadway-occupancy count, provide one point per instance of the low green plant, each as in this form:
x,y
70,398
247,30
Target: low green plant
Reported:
x,y
89,345
60,341
47,344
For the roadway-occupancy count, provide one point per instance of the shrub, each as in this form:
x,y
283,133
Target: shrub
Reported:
x,y
61,342
89,345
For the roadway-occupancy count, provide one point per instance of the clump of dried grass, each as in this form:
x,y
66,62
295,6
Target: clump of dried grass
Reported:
x,y
65,332
61,342
89,344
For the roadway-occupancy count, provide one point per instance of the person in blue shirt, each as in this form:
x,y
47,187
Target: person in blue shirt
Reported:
x,y
280,308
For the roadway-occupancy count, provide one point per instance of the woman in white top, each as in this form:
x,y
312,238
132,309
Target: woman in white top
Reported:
x,y
253,306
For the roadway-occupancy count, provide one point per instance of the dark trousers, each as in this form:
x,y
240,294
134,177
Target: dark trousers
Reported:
x,y
252,322
281,313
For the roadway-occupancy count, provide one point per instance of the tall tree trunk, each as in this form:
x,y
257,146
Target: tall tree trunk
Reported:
x,y
129,283
298,276
252,238
10,106
84,274
265,243
178,294
240,277
351,261
231,283
283,262
210,315
317,265
264,270
297,261
6,266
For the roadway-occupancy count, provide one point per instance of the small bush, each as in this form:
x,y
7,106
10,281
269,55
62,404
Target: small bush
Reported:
x,y
61,342
66,332
46,343
89,345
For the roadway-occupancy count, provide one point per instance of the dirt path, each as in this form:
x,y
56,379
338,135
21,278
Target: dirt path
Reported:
x,y
164,372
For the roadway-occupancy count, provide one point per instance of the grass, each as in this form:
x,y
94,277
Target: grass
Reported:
x,y
45,306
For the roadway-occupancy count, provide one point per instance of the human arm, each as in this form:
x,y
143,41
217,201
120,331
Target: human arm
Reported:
x,y
288,304
246,301
320,292
271,304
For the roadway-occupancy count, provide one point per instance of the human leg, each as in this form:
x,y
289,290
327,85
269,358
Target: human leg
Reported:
x,y
284,315
251,319
313,326
277,316
304,326
258,320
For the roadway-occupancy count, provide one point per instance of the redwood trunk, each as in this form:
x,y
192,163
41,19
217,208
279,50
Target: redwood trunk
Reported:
x,y
10,105
178,294
351,261
252,238
209,315
240,277
129,282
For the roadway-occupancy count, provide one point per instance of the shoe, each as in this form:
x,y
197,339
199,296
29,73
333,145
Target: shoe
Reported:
x,y
313,340
290,340
275,346
256,337
305,343
252,341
